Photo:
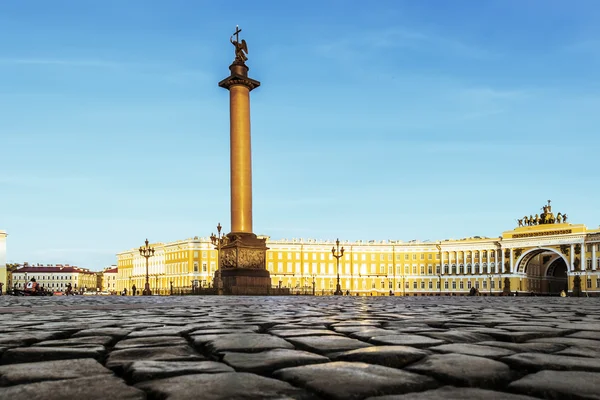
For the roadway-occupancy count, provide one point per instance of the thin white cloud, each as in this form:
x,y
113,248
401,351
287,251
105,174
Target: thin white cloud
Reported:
x,y
61,62
402,38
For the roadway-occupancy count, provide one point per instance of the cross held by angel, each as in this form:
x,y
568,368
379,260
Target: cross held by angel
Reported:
x,y
241,48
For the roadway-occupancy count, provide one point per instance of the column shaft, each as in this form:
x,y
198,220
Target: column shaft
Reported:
x,y
241,161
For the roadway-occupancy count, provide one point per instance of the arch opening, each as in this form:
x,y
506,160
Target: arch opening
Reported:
x,y
545,272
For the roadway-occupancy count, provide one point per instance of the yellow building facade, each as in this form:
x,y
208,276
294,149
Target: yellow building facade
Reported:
x,y
538,258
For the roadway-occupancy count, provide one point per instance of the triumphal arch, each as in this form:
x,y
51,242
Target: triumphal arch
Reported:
x,y
546,253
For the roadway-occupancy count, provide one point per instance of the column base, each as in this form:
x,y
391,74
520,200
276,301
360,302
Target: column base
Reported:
x,y
147,291
243,267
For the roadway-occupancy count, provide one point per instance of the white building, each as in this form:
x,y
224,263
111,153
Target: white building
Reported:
x,y
109,278
56,277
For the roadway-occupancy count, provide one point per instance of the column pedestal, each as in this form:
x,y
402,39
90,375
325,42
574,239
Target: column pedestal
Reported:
x,y
243,265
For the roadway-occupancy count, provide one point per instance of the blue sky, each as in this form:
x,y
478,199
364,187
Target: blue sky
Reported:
x,y
375,120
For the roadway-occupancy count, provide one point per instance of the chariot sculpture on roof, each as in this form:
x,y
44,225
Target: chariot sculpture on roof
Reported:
x,y
546,217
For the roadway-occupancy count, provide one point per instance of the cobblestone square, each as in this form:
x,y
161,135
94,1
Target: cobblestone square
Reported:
x,y
299,347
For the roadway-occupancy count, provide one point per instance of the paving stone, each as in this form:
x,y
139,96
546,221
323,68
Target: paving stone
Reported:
x,y
473,350
166,331
353,328
593,335
117,333
458,336
286,333
372,332
455,393
201,340
27,338
354,380
388,356
406,340
559,385
79,341
271,360
581,326
225,386
538,328
247,343
33,354
89,388
119,358
593,344
529,347
50,370
150,342
579,352
464,370
327,344
356,323
279,327
139,371
520,337
537,361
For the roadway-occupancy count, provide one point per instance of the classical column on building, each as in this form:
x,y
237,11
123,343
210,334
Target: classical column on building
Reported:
x,y
243,259
594,266
572,258
512,265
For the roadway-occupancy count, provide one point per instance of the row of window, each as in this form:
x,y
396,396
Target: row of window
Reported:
x,y
44,277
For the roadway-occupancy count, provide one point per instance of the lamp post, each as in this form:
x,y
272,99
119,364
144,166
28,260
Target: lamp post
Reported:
x,y
218,240
490,276
440,283
313,283
337,253
147,252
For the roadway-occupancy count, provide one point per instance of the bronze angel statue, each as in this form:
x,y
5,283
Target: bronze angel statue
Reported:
x,y
240,49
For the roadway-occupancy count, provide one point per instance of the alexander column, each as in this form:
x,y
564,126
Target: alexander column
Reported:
x,y
242,263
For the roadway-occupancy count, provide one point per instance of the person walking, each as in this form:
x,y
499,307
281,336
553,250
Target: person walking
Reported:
x,y
133,290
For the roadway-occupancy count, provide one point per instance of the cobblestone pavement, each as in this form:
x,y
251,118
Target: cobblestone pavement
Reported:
x,y
299,348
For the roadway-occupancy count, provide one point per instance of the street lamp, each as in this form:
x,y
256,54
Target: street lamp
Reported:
x,y
313,282
147,252
490,276
218,240
338,254
440,283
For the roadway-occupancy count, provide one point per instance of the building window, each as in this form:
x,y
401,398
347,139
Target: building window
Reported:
x,y
406,256
391,284
430,285
589,283
407,285
588,264
430,269
453,285
461,285
195,267
468,285
203,267
485,284
382,284
492,285
422,270
414,256
437,269
422,285
373,285
414,269
476,284
414,284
